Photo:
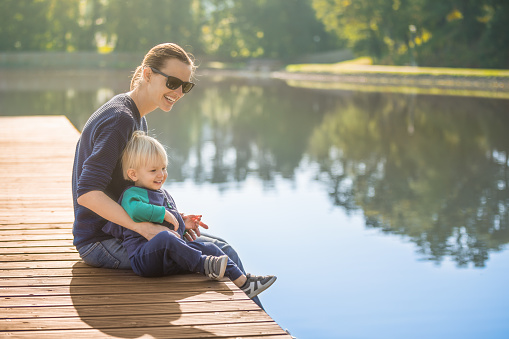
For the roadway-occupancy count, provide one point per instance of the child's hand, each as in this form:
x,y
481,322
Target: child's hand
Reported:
x,y
193,223
171,219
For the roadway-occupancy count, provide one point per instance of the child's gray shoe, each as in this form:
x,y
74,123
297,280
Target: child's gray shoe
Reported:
x,y
255,285
215,267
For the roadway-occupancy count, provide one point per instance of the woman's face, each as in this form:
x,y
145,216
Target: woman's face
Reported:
x,y
162,96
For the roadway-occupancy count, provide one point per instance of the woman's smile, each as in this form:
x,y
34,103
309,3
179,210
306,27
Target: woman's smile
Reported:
x,y
170,99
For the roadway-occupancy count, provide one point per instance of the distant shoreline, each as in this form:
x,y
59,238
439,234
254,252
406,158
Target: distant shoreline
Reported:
x,y
443,84
340,76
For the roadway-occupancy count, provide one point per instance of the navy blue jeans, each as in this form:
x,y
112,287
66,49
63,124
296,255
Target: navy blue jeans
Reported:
x,y
111,254
108,253
165,254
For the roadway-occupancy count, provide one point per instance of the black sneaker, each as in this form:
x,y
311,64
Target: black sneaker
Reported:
x,y
215,266
255,285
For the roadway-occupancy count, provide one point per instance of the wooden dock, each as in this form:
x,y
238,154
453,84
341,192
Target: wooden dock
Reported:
x,y
45,289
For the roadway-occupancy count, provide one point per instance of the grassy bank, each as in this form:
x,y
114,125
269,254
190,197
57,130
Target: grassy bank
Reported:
x,y
361,75
365,66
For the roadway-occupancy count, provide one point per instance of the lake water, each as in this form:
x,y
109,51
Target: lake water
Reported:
x,y
383,215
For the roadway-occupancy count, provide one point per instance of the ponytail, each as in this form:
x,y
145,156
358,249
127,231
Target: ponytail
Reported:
x,y
136,77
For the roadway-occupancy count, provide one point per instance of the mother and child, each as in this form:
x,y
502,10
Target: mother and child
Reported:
x,y
123,217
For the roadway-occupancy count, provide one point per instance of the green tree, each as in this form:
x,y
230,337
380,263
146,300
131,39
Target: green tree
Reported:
x,y
49,25
263,28
456,28
139,25
23,24
65,27
495,40
456,33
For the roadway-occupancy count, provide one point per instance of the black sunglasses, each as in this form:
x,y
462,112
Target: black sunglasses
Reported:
x,y
174,83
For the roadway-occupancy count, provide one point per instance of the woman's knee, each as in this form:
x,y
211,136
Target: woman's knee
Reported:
x,y
206,248
108,254
230,252
221,243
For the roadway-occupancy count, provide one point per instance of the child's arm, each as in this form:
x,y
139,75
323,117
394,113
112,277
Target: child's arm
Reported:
x,y
136,204
171,219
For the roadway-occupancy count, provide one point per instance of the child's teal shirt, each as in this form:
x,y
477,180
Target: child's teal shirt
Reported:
x,y
137,204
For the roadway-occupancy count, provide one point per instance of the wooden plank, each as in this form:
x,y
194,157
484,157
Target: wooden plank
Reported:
x,y
146,287
20,200
61,272
25,226
139,320
227,305
40,257
23,232
37,264
119,298
38,243
34,219
263,330
110,279
28,237
36,250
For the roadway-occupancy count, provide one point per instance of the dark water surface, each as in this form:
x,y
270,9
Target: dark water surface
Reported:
x,y
383,215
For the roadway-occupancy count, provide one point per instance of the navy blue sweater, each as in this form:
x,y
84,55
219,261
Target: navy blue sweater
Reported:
x,y
97,164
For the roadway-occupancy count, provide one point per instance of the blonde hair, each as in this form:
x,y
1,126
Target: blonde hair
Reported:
x,y
142,150
158,55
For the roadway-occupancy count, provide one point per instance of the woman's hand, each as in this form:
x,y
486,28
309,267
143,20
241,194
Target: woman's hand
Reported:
x,y
150,230
193,223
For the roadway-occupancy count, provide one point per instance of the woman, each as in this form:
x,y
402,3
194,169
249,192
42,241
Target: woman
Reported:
x,y
163,78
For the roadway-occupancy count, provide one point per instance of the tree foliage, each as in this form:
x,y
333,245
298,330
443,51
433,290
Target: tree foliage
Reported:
x,y
275,29
219,28
459,33
139,25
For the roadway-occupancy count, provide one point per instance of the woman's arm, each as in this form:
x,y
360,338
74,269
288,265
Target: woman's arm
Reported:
x,y
100,203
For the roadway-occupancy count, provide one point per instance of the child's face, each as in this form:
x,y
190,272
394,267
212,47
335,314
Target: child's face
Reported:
x,y
151,176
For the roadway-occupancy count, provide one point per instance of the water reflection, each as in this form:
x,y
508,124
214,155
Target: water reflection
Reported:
x,y
433,170
235,129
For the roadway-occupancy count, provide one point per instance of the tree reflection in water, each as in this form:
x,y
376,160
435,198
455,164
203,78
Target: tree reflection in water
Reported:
x,y
432,169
